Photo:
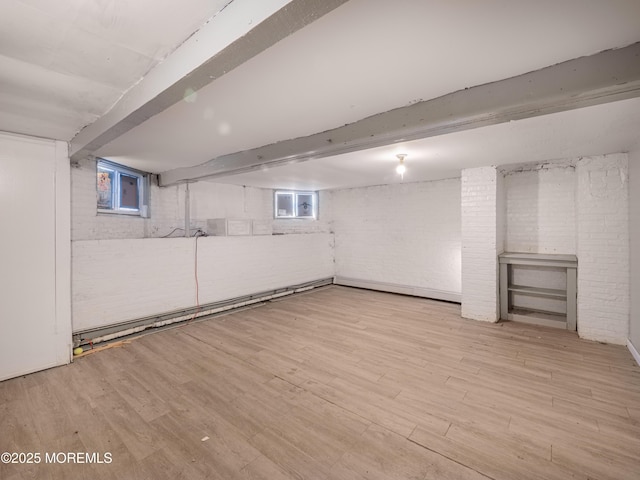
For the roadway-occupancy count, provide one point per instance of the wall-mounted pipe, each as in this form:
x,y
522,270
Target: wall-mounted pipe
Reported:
x,y
107,333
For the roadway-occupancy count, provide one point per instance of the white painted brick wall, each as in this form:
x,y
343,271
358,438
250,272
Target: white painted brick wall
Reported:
x,y
85,223
482,206
501,214
408,234
208,200
119,280
541,209
120,274
402,234
323,224
634,241
603,248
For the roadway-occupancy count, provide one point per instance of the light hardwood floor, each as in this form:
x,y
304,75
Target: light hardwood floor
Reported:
x,y
337,383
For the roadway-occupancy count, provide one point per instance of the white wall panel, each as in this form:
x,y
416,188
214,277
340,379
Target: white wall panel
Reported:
x,y
34,258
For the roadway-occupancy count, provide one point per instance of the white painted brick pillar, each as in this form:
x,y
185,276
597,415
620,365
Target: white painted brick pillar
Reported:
x,y
603,248
483,223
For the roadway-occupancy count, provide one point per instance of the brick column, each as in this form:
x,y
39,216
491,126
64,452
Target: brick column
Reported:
x,y
483,216
603,248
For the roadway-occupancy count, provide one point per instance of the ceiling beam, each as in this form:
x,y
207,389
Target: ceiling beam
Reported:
x,y
601,78
236,34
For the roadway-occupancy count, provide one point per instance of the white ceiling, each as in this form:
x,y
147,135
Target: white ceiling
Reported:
x,y
366,57
64,64
597,130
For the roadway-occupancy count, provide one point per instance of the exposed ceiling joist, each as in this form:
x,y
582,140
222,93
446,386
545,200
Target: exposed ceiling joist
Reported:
x,y
239,32
604,77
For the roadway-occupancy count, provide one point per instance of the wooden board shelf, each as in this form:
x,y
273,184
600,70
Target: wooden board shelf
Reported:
x,y
538,317
543,261
544,292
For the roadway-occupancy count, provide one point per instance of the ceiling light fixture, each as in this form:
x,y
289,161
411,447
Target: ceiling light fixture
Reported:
x,y
401,167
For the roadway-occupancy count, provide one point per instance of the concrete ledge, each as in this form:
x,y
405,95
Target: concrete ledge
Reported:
x,y
403,289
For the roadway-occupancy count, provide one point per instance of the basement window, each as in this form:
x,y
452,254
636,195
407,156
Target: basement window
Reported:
x,y
121,189
294,204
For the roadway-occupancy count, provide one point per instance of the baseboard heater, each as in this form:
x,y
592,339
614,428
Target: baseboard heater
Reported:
x,y
97,335
431,293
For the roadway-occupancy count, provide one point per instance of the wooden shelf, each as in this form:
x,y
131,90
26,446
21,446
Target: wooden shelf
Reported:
x,y
530,315
538,317
544,292
538,259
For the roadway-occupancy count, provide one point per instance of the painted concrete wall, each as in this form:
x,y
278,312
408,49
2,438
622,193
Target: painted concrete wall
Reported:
x,y
119,280
401,237
634,236
35,317
603,248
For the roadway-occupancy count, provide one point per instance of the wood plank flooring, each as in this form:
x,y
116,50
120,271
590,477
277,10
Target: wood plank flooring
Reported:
x,y
336,383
